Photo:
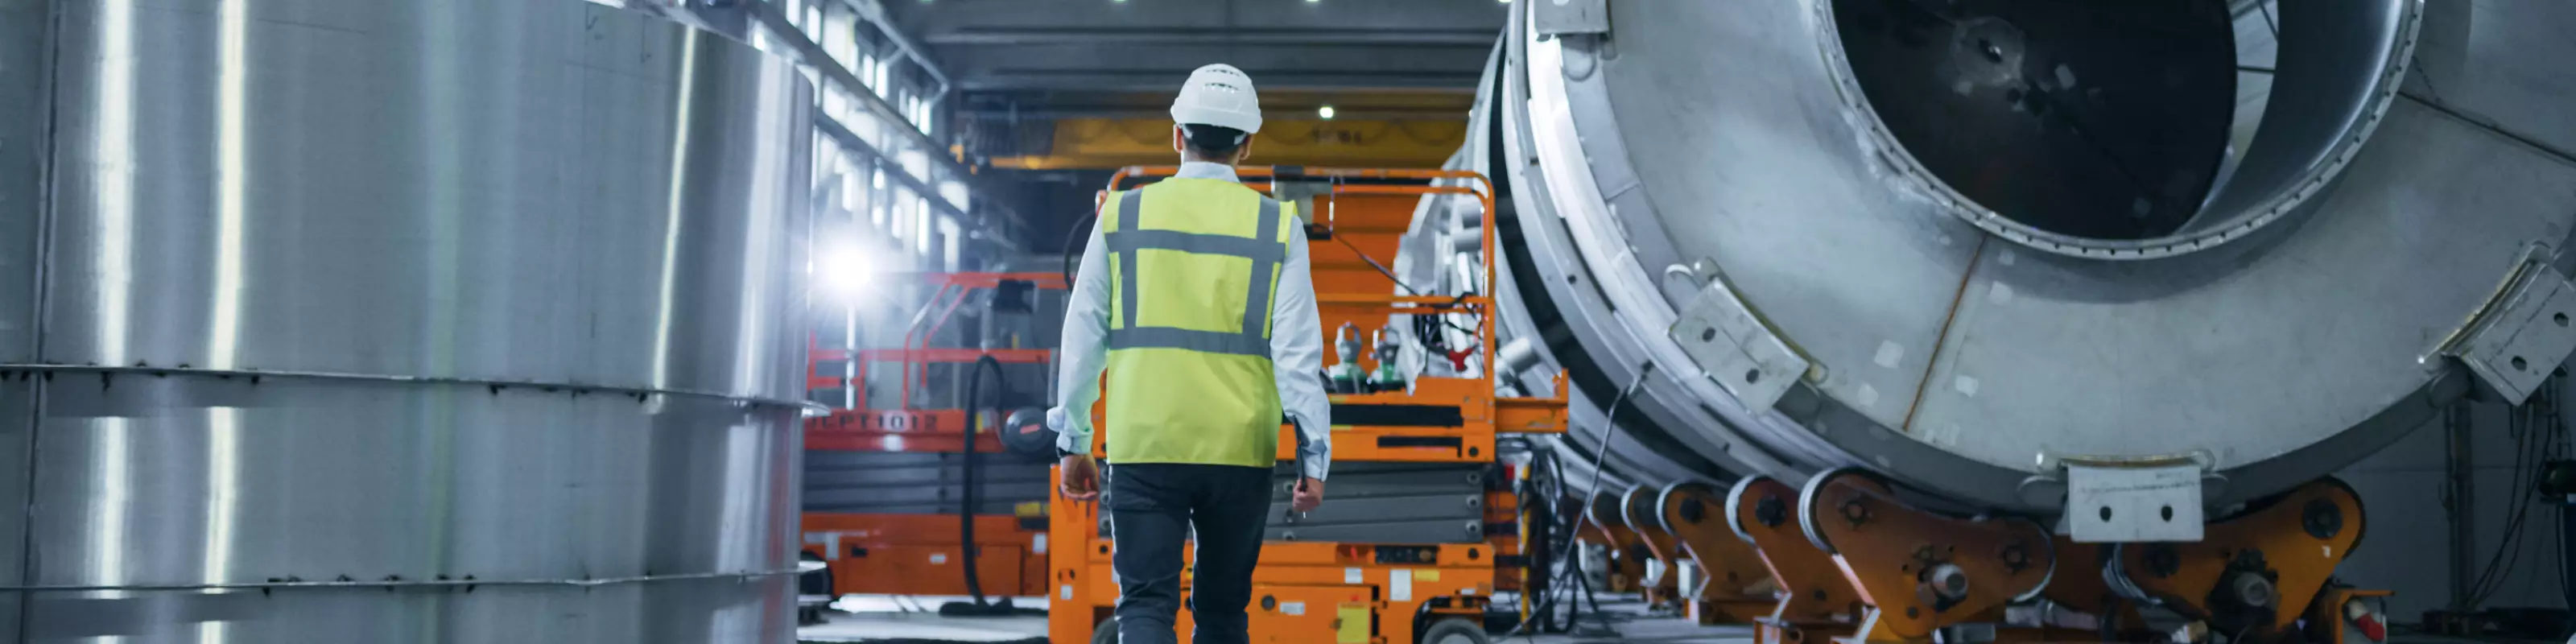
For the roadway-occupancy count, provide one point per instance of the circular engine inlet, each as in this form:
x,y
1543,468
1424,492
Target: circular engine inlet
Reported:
x,y
2119,131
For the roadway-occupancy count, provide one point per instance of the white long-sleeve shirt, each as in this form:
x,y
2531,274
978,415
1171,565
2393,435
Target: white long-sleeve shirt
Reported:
x,y
1296,347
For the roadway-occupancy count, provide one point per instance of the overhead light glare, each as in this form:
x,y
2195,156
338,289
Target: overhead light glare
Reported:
x,y
848,271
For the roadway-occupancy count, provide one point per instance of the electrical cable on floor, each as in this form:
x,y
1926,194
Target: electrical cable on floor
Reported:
x,y
2566,593
2566,514
2509,548
2504,544
1543,606
2538,434
1600,458
1573,565
1566,550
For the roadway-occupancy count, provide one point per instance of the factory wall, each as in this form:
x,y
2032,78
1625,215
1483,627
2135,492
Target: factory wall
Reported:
x,y
2407,548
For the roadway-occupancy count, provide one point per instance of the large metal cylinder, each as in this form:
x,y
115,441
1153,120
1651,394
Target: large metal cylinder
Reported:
x,y
396,321
1880,187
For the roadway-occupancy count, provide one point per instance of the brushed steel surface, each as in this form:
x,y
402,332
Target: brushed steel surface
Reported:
x,y
178,481
513,167
1539,286
16,458
428,198
23,119
24,116
1602,356
1963,364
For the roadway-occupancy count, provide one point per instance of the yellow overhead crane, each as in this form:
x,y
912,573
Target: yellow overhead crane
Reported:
x,y
1103,143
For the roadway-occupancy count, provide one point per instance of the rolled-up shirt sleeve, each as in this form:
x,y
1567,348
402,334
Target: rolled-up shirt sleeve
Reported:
x,y
1084,353
1297,359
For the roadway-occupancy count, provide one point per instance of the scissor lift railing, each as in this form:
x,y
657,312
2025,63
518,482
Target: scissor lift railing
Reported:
x,y
921,553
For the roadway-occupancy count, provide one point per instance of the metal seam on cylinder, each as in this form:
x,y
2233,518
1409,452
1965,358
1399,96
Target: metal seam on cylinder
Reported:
x,y
1941,339
409,380
2434,102
401,583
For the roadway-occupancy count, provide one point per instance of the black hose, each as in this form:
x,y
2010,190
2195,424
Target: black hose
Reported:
x,y
1563,528
1600,457
1545,498
2566,560
974,458
1538,510
1073,238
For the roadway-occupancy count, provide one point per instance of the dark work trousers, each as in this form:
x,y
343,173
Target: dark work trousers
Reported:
x,y
1152,509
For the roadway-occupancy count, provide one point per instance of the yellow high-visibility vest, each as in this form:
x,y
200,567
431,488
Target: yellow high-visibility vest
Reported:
x,y
1194,266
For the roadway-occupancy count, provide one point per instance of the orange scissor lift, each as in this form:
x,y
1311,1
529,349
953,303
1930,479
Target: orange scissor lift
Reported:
x,y
921,554
1354,591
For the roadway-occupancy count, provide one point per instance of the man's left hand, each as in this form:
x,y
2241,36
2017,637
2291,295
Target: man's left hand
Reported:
x,y
1081,477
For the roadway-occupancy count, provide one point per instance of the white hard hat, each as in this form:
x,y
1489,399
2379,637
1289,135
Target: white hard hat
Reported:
x,y
1218,95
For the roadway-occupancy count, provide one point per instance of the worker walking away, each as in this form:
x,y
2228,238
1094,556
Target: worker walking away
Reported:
x,y
1194,296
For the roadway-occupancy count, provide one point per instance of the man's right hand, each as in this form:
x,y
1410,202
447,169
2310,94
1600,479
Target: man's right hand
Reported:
x,y
1081,477
1310,493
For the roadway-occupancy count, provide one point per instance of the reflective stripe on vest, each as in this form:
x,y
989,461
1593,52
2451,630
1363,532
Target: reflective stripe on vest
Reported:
x,y
1189,381
1267,253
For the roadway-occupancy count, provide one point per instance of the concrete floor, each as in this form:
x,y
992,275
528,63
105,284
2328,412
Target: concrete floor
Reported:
x,y
916,619
870,627
861,618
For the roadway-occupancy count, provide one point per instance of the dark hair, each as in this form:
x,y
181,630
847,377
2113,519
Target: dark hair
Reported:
x,y
1213,142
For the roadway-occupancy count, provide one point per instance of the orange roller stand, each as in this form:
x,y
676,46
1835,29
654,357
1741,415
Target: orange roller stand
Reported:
x,y
1919,570
1736,589
2256,572
1628,550
1636,507
1816,602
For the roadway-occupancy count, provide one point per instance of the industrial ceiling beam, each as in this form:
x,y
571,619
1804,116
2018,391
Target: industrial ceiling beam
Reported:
x,y
1275,114
1160,80
1148,45
842,135
1100,143
806,52
875,15
1013,36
